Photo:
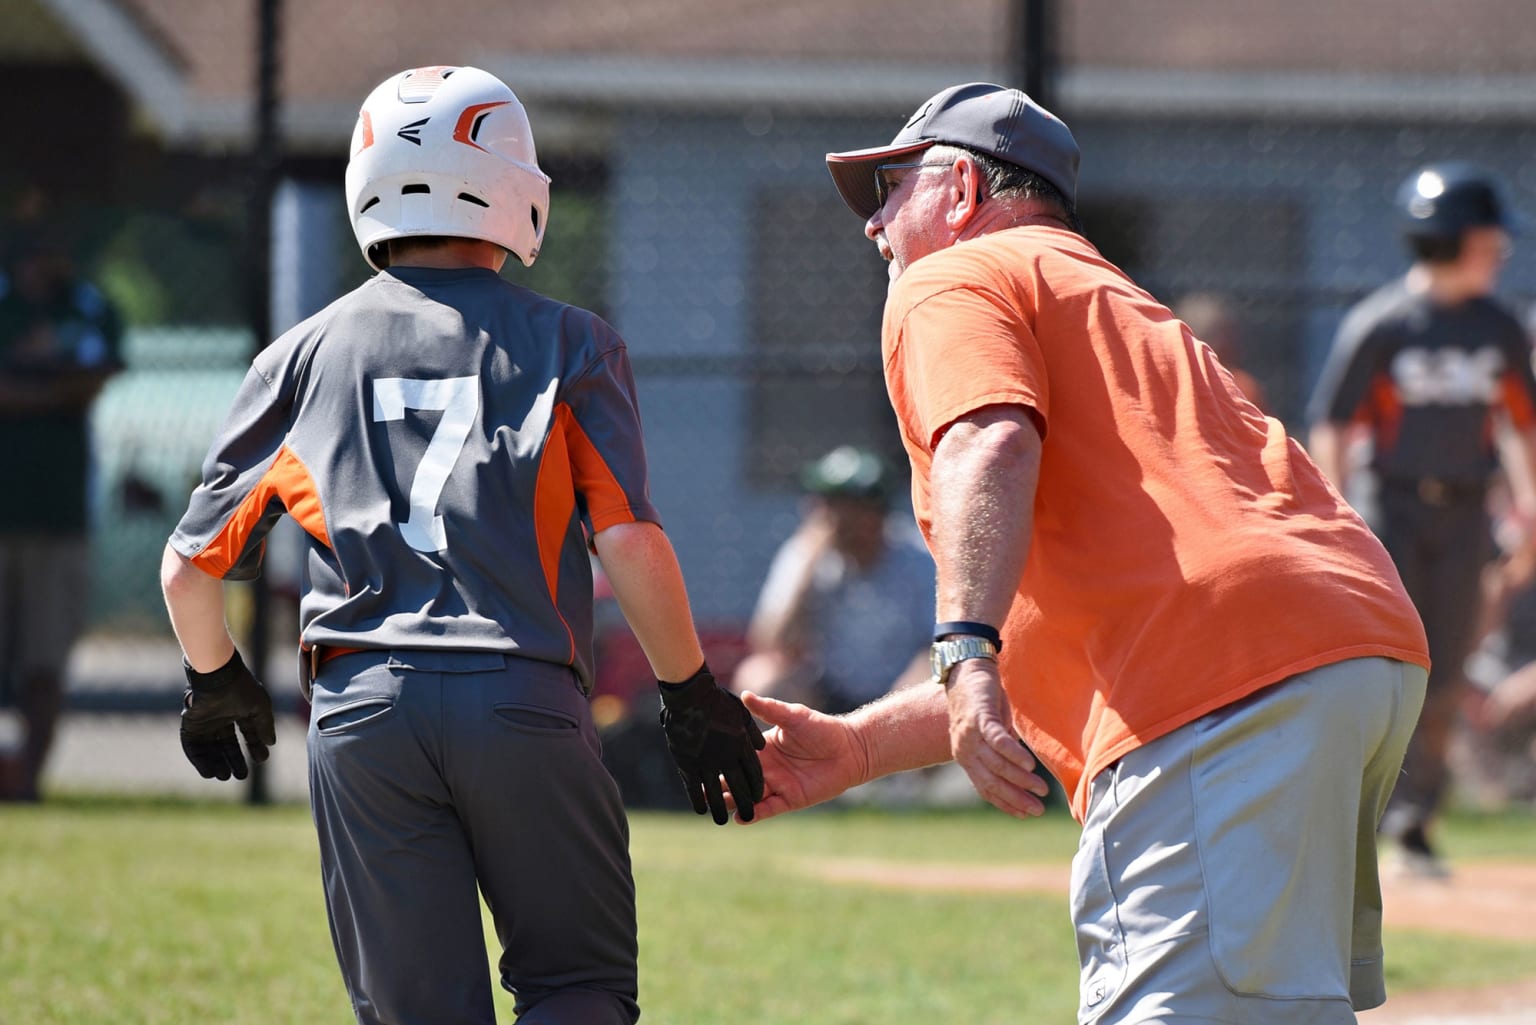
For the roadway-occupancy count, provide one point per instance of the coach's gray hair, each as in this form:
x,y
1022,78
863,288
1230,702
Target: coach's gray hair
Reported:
x,y
1003,180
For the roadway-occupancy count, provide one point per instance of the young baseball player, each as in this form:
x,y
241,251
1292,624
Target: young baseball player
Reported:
x,y
450,444
1429,364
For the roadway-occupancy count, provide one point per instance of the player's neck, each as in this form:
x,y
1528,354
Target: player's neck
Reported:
x,y
1442,285
453,254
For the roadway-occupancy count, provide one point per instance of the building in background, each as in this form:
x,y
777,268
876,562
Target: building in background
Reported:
x,y
692,206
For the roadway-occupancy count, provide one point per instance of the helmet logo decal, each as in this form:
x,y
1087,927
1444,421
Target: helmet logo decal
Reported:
x,y
419,84
468,126
412,131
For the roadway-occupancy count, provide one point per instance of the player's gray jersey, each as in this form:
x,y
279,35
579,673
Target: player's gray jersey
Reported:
x,y
448,441
1429,380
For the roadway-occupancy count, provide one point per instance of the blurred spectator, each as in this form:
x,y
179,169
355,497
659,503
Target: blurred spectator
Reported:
x,y
1434,369
847,610
1497,756
58,345
1210,318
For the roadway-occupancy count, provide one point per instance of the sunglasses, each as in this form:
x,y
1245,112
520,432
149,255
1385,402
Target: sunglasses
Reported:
x,y
884,188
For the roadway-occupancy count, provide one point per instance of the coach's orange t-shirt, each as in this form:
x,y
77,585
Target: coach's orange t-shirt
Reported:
x,y
1185,553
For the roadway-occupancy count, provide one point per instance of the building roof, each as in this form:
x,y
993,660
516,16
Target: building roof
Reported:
x,y
191,67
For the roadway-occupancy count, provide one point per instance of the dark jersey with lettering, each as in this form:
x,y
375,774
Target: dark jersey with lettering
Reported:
x,y
1429,381
448,441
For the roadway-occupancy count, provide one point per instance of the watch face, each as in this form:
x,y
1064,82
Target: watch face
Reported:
x,y
945,654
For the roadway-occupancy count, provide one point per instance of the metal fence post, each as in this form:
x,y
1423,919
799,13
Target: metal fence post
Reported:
x,y
266,156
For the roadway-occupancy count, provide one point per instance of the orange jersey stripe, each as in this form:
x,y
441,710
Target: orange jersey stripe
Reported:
x,y
554,502
1512,391
288,480
1384,410
607,502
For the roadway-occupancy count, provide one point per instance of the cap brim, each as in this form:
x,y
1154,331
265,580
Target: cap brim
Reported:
x,y
853,173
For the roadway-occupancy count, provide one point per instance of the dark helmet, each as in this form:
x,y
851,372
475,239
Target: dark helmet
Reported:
x,y
848,472
1440,201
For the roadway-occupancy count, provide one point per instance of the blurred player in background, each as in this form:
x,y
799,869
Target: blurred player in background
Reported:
x,y
450,442
846,611
1210,318
1139,574
59,339
1433,369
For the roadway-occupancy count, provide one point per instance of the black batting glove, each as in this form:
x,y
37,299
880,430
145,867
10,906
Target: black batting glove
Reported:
x,y
214,705
711,734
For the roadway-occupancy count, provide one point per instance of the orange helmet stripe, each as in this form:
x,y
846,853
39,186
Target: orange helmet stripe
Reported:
x,y
466,122
367,131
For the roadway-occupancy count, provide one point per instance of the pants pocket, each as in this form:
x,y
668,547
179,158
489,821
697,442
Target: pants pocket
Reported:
x,y
1276,799
353,716
1096,916
352,704
537,719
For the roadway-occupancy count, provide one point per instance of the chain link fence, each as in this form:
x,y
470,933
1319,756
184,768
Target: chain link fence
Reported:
x,y
691,208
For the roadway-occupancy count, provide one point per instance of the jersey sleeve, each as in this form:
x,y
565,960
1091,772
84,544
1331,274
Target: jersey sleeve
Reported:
x,y
1517,389
957,351
245,478
1343,385
606,445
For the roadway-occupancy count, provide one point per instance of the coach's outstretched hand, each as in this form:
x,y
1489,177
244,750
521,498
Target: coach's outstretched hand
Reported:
x,y
810,757
214,705
710,734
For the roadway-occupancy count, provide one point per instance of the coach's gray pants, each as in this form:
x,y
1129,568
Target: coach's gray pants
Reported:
x,y
432,772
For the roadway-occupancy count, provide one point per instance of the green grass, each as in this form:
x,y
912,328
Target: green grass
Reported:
x,y
185,914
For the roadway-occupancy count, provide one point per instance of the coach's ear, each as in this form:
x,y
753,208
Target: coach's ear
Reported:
x,y
967,188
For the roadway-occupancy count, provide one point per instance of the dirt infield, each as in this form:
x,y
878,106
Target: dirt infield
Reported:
x,y
1484,899
1487,898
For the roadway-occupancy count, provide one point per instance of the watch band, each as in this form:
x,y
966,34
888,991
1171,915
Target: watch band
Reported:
x,y
945,655
968,628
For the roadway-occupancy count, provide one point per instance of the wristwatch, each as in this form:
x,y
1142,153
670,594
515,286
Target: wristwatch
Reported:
x,y
946,654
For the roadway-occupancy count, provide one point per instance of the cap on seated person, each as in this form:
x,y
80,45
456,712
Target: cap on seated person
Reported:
x,y
848,472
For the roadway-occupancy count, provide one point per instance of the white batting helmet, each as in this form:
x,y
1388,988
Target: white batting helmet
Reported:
x,y
445,151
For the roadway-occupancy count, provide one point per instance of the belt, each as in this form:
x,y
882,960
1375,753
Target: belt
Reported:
x,y
312,658
1438,491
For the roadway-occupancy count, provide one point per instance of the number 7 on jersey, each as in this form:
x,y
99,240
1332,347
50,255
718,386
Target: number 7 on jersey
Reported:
x,y
459,400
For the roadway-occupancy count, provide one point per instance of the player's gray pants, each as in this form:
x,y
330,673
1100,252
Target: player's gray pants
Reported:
x,y
432,772
1440,552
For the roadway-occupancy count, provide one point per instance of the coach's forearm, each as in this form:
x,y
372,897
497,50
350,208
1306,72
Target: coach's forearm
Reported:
x,y
906,729
195,602
642,568
985,470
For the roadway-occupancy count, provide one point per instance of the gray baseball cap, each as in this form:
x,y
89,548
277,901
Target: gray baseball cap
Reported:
x,y
992,119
